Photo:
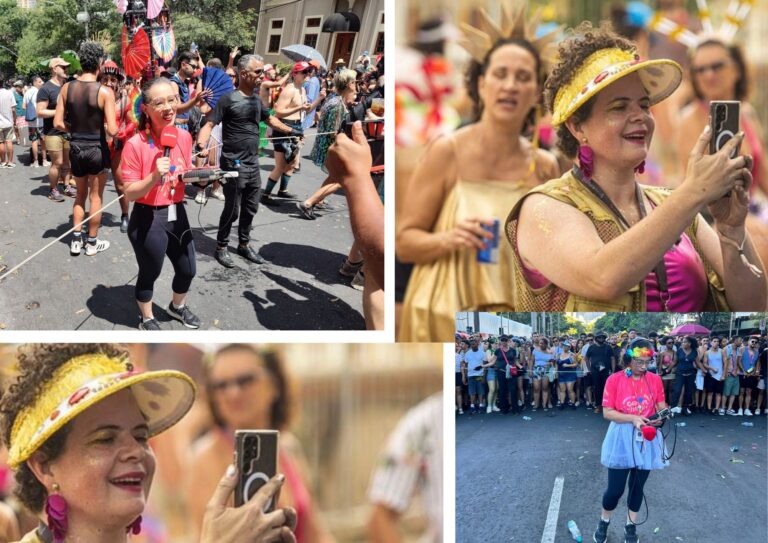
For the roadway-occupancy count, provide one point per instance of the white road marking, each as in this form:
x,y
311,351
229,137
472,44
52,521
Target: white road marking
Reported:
x,y
550,528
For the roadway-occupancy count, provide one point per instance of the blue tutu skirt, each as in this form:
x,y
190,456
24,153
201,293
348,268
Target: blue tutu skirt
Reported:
x,y
621,451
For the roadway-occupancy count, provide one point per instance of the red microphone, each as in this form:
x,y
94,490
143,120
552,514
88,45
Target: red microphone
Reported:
x,y
168,138
649,433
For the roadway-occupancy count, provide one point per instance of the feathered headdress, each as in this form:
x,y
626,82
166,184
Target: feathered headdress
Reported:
x,y
478,40
734,18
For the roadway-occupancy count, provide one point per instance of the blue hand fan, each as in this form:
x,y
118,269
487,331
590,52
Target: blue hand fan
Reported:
x,y
217,81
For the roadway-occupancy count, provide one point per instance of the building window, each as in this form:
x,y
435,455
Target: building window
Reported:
x,y
311,31
379,47
275,36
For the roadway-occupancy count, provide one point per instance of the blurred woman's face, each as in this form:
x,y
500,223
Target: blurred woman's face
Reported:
x,y
620,127
243,388
715,72
509,89
106,469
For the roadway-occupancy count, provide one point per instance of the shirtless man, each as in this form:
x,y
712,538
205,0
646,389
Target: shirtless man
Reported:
x,y
290,108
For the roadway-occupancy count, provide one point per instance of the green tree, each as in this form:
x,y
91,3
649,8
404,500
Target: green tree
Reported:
x,y
12,22
214,25
642,322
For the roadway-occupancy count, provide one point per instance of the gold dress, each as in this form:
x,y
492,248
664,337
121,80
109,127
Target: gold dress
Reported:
x,y
458,282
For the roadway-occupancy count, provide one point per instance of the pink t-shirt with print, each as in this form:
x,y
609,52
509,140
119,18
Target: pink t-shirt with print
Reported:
x,y
138,161
633,396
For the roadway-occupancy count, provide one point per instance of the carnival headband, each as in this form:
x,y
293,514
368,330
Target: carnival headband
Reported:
x,y
734,18
478,40
163,397
659,77
641,352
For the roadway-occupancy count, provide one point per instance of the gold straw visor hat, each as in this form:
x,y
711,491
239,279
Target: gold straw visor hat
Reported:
x,y
659,77
163,397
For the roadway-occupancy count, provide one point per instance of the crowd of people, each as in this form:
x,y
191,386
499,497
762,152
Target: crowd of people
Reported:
x,y
715,375
85,127
563,137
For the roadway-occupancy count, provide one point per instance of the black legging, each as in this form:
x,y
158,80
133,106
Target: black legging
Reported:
x,y
617,480
153,237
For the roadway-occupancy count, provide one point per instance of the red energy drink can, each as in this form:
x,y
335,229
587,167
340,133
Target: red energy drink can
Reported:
x,y
490,255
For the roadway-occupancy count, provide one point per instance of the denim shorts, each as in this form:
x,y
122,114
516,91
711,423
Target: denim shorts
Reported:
x,y
476,386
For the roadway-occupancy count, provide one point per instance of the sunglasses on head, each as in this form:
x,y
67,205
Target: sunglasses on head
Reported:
x,y
239,382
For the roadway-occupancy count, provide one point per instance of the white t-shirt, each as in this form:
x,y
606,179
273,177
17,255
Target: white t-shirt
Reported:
x,y
459,360
413,460
473,360
7,107
30,100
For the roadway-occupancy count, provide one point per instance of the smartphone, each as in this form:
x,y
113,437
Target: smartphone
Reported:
x,y
724,119
256,461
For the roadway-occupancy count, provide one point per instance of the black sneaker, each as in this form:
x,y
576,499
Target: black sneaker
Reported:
x,y
184,315
306,212
285,194
223,258
151,324
630,535
601,534
267,200
124,224
249,254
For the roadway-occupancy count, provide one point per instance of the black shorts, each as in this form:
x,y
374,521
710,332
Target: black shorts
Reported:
x,y
279,144
35,133
748,381
88,158
713,385
459,382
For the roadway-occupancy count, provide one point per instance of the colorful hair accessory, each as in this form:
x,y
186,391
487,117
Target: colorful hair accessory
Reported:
x,y
641,352
162,396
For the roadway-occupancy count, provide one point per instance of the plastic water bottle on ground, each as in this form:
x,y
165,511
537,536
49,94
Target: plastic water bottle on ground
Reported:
x,y
575,533
527,418
748,424
680,424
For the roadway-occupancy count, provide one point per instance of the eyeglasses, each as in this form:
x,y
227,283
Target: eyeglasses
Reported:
x,y
715,67
192,65
255,72
641,362
240,382
173,101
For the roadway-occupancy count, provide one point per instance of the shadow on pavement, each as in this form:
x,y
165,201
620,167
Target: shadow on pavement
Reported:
x,y
320,263
318,311
116,305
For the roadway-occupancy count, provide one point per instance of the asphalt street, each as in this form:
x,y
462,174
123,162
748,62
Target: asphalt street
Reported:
x,y
298,289
507,468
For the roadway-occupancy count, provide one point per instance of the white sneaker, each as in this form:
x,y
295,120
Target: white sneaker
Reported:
x,y
488,410
757,411
35,165
519,403
677,410
47,163
461,411
740,413
99,246
730,412
76,245
747,412
497,410
218,194
200,197
721,412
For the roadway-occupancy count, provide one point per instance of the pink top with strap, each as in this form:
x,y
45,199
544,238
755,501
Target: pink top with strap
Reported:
x,y
686,278
301,497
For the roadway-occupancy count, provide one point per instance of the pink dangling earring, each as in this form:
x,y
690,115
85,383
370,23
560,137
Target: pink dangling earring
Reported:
x,y
135,527
640,168
56,510
585,159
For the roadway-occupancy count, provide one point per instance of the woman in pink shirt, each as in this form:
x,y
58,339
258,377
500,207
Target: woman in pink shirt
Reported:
x,y
158,226
630,398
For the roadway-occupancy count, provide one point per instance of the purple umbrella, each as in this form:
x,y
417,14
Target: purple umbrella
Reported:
x,y
690,329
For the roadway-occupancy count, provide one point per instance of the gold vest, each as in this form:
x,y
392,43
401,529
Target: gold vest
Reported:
x,y
571,191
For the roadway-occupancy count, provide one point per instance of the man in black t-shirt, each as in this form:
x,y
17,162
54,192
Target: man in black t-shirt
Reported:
x,y
600,359
240,112
56,142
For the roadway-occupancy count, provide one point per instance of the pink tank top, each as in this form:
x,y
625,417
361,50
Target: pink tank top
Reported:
x,y
301,498
686,278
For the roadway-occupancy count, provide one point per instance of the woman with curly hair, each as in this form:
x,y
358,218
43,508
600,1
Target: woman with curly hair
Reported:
x,y
641,248
77,423
464,183
85,108
249,388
